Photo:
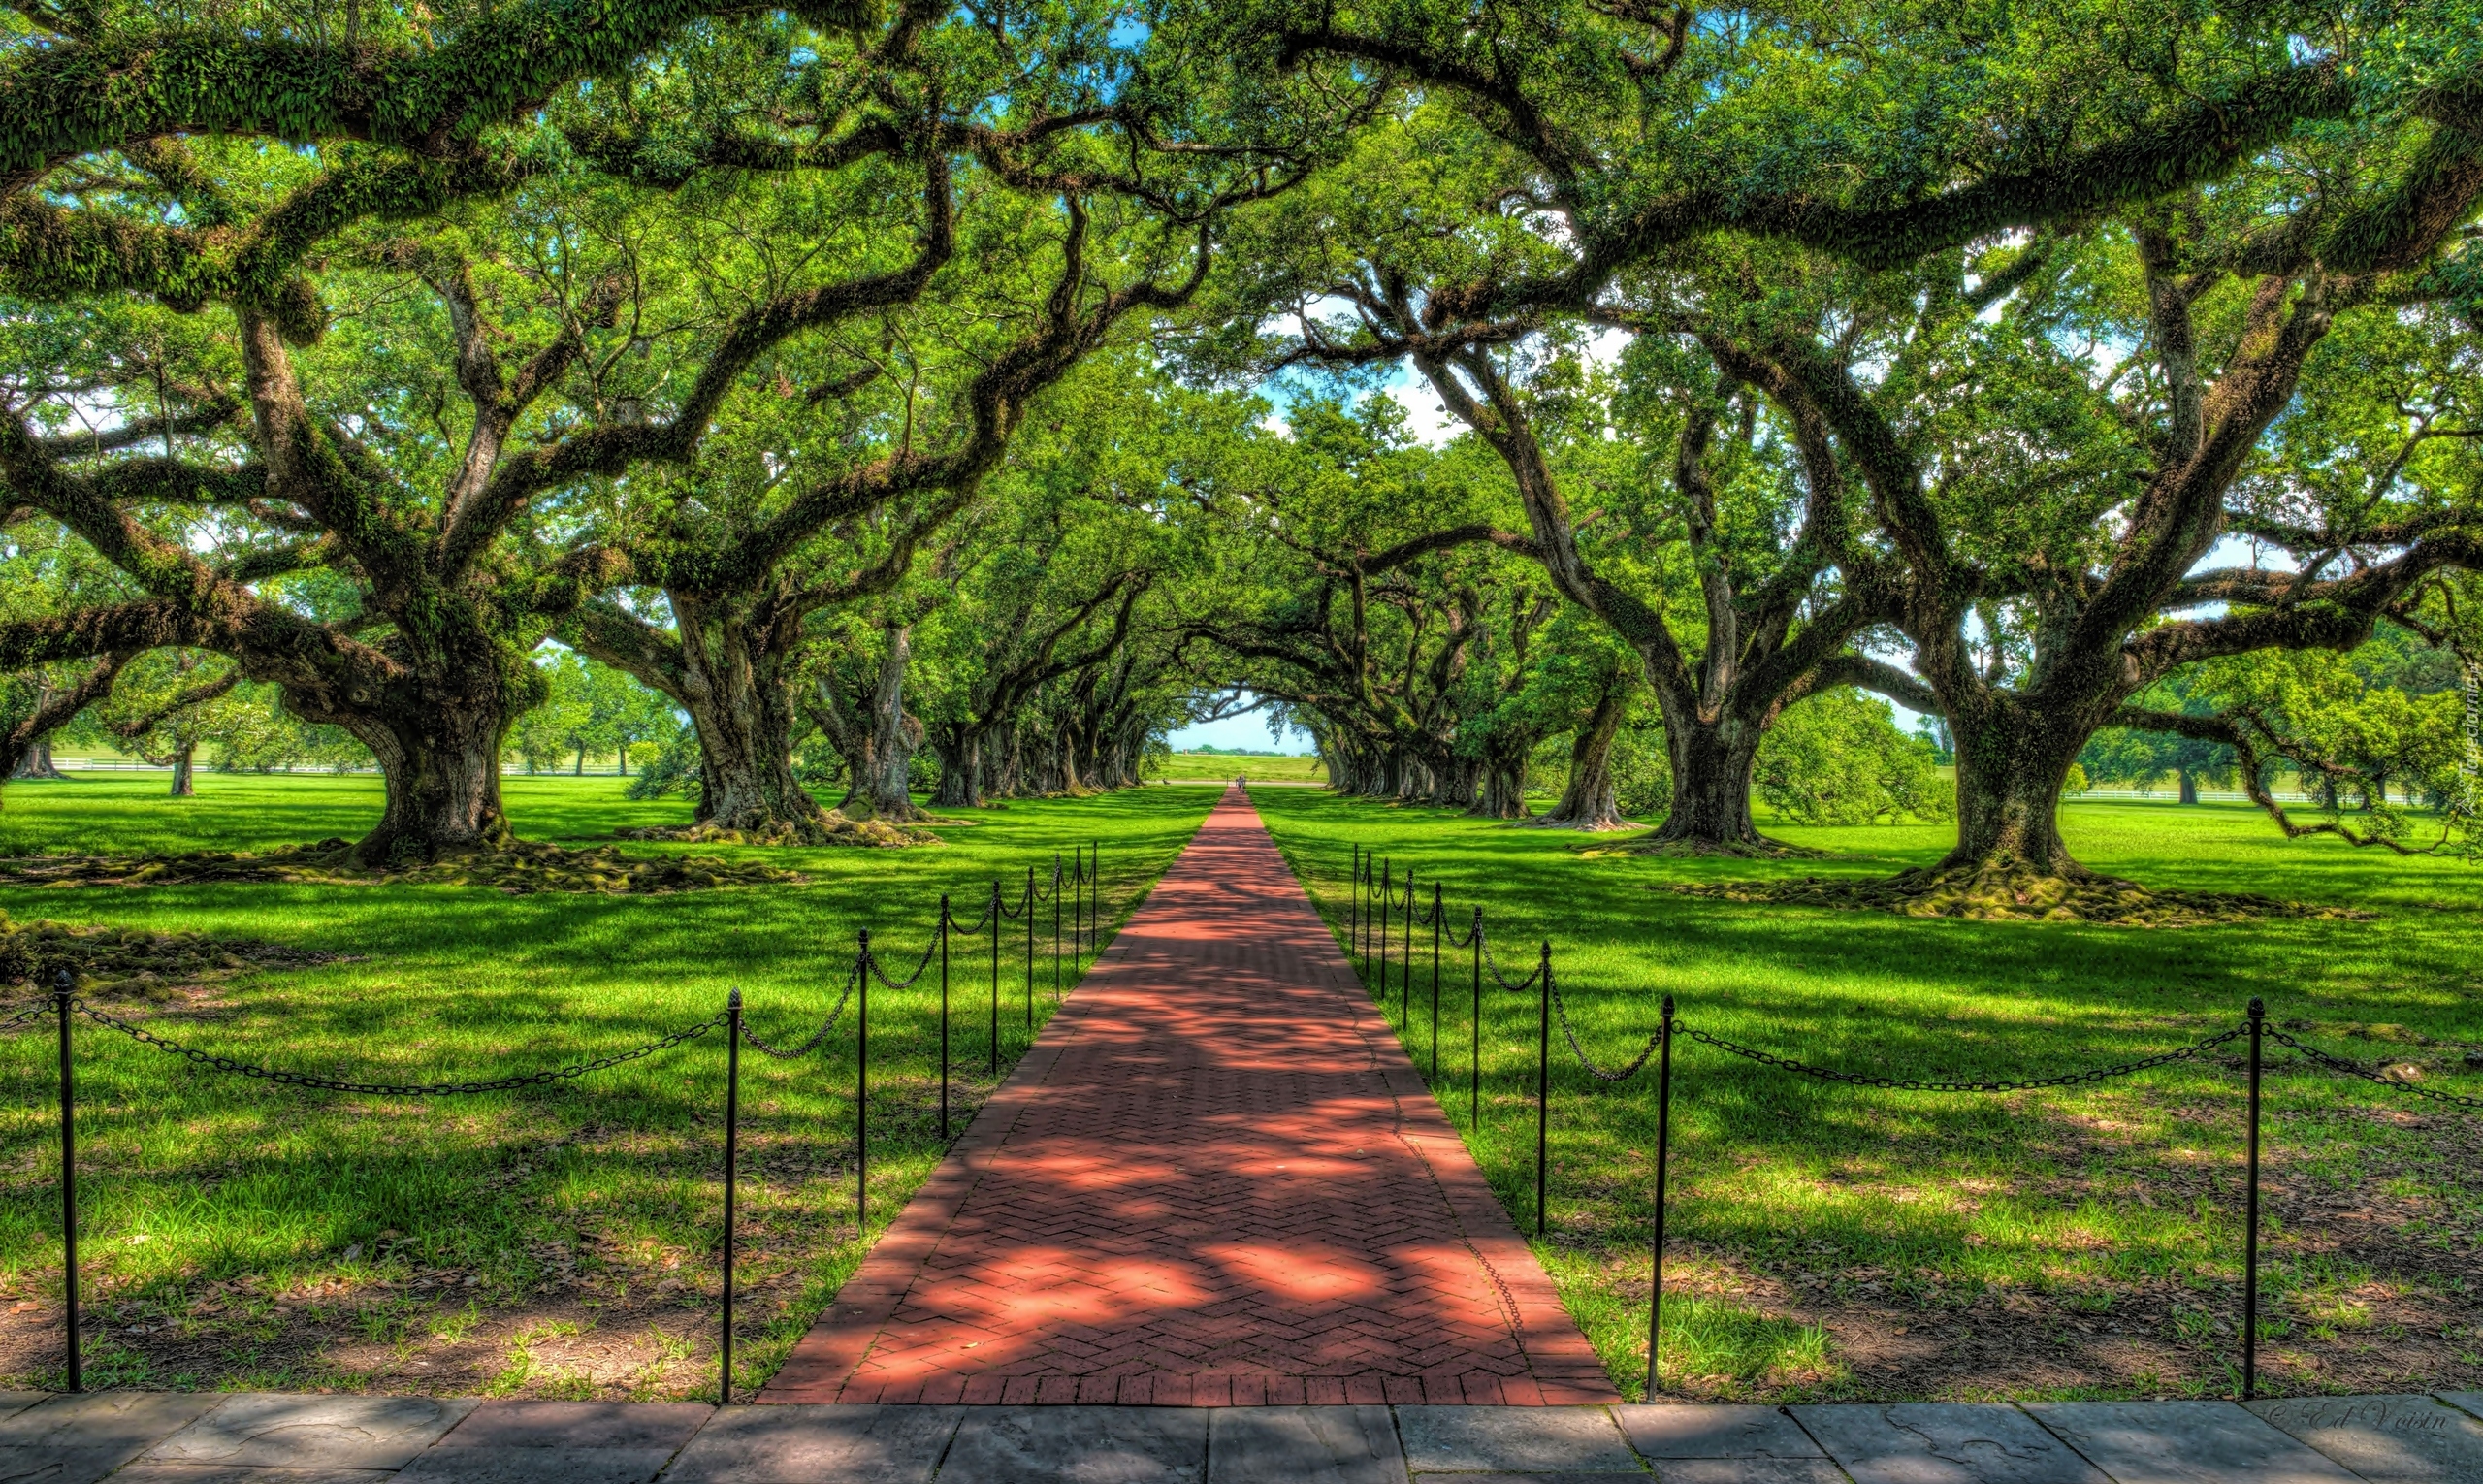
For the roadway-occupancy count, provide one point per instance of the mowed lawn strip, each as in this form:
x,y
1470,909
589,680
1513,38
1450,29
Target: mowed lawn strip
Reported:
x,y
552,1241
1832,1242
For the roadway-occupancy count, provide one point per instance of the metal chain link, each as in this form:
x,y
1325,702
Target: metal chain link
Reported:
x,y
978,923
1493,965
2339,1064
872,958
750,1038
1909,1085
217,1063
1622,1076
26,1016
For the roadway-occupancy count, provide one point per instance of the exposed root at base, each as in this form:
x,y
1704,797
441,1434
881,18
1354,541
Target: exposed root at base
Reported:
x,y
829,829
133,962
2008,891
518,868
1761,848
1605,826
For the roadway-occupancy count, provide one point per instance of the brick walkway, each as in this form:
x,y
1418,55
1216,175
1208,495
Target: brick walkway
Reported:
x,y
1215,1180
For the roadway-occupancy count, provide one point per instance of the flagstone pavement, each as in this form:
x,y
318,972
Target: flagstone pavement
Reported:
x,y
184,1438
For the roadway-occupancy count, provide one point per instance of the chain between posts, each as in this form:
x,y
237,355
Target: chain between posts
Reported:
x,y
2340,1064
26,1016
750,1038
2190,1052
882,975
253,1069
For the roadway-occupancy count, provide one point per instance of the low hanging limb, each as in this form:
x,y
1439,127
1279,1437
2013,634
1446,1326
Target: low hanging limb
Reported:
x,y
2254,741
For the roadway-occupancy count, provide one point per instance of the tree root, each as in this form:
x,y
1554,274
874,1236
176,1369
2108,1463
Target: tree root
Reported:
x,y
2008,891
518,868
831,829
133,963
1761,848
1606,825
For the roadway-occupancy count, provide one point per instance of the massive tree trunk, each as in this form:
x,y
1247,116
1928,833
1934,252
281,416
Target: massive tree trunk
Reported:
x,y
737,692
878,746
2189,785
2013,758
440,763
1590,801
1502,794
182,785
1712,762
964,780
38,761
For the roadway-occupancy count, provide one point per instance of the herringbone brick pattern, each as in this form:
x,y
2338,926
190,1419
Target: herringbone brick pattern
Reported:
x,y
1215,1180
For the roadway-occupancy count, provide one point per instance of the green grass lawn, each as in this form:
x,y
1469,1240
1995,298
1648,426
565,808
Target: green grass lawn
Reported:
x,y
1831,1241
554,1241
1222,768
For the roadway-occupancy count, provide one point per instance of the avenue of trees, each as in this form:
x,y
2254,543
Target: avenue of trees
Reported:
x,y
902,397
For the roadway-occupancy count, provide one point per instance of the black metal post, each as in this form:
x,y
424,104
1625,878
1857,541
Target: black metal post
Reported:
x,y
1474,1072
1436,922
1353,909
1030,951
944,1017
1542,1081
996,978
732,1153
1663,1154
1406,958
1077,901
1387,890
2250,1243
61,985
1095,901
863,1092
1056,927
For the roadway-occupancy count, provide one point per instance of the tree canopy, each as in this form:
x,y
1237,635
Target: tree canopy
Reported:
x,y
900,394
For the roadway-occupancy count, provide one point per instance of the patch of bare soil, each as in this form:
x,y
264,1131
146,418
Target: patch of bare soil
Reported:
x,y
520,868
2004,891
133,963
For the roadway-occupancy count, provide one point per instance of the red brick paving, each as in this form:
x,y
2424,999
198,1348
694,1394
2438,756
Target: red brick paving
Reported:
x,y
1215,1180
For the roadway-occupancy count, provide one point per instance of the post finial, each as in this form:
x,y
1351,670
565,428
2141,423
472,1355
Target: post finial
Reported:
x,y
734,997
2258,1007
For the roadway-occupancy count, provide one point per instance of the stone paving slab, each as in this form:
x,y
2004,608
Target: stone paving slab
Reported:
x,y
535,1465
1748,1470
1215,1179
279,1430
1304,1445
1445,1440
246,1473
664,1424
2385,1440
798,1445
79,1440
1715,1431
1079,1445
2468,1402
13,1403
1943,1442
2186,1442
